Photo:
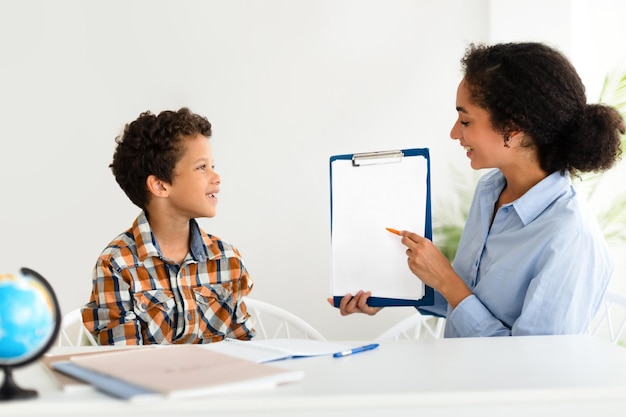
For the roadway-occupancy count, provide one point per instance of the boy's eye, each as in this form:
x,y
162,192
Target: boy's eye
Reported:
x,y
465,124
204,167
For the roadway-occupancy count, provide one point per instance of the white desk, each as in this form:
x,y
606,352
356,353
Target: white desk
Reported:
x,y
511,376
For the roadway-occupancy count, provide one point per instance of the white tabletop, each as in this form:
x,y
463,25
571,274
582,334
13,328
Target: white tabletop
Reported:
x,y
541,375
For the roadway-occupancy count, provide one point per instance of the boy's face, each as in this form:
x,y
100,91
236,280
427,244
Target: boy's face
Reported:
x,y
195,185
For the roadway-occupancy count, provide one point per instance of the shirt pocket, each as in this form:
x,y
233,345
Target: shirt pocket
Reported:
x,y
155,310
216,305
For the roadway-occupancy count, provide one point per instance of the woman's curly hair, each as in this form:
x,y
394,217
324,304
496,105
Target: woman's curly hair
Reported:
x,y
534,88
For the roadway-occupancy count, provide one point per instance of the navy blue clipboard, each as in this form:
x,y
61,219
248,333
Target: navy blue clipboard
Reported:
x,y
368,192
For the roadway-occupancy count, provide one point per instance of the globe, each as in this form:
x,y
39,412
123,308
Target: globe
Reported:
x,y
29,323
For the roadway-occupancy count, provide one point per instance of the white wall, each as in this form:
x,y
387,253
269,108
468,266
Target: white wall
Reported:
x,y
285,83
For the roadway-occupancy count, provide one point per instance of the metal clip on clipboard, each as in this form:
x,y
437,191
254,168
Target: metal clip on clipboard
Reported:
x,y
371,158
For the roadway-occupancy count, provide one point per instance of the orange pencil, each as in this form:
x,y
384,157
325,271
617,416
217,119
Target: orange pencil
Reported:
x,y
394,231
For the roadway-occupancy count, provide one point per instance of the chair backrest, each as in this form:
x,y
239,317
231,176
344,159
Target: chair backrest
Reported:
x,y
412,326
73,332
272,322
611,319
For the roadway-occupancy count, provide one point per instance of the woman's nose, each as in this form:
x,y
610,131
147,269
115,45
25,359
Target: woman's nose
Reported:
x,y
455,132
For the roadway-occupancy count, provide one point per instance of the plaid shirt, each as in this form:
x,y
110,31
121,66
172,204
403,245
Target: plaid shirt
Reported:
x,y
139,297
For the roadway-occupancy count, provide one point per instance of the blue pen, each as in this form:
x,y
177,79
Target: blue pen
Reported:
x,y
355,350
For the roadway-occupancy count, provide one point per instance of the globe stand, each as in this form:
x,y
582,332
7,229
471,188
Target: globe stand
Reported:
x,y
11,391
27,287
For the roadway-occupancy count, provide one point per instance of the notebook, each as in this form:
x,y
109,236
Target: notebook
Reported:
x,y
68,383
173,372
269,350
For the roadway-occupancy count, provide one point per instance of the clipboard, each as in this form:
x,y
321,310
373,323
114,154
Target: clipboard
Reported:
x,y
368,193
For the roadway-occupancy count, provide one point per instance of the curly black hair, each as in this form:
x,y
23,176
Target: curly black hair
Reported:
x,y
534,88
152,145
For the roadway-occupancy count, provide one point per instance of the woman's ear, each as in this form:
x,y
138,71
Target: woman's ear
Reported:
x,y
516,134
157,187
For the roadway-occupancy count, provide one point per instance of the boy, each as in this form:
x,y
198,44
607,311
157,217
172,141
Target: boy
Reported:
x,y
165,280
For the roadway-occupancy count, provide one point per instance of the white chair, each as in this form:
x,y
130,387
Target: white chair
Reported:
x,y
412,326
73,332
611,319
272,322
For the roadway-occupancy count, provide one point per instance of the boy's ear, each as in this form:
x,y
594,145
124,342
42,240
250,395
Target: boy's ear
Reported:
x,y
156,186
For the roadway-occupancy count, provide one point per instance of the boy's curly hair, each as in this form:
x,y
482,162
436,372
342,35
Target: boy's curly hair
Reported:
x,y
152,145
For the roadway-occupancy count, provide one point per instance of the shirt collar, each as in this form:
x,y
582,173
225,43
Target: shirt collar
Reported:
x,y
147,245
197,247
538,198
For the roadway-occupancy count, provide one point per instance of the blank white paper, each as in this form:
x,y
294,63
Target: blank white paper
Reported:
x,y
365,200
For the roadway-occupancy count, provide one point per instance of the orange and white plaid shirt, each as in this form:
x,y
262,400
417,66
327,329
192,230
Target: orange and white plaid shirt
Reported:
x,y
140,297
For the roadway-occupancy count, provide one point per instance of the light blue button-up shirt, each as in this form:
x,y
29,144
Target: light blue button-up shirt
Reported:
x,y
541,267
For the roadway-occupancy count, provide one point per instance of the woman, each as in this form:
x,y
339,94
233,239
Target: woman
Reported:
x,y
532,259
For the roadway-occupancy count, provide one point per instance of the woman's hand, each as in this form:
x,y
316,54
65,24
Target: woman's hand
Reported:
x,y
355,304
427,262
